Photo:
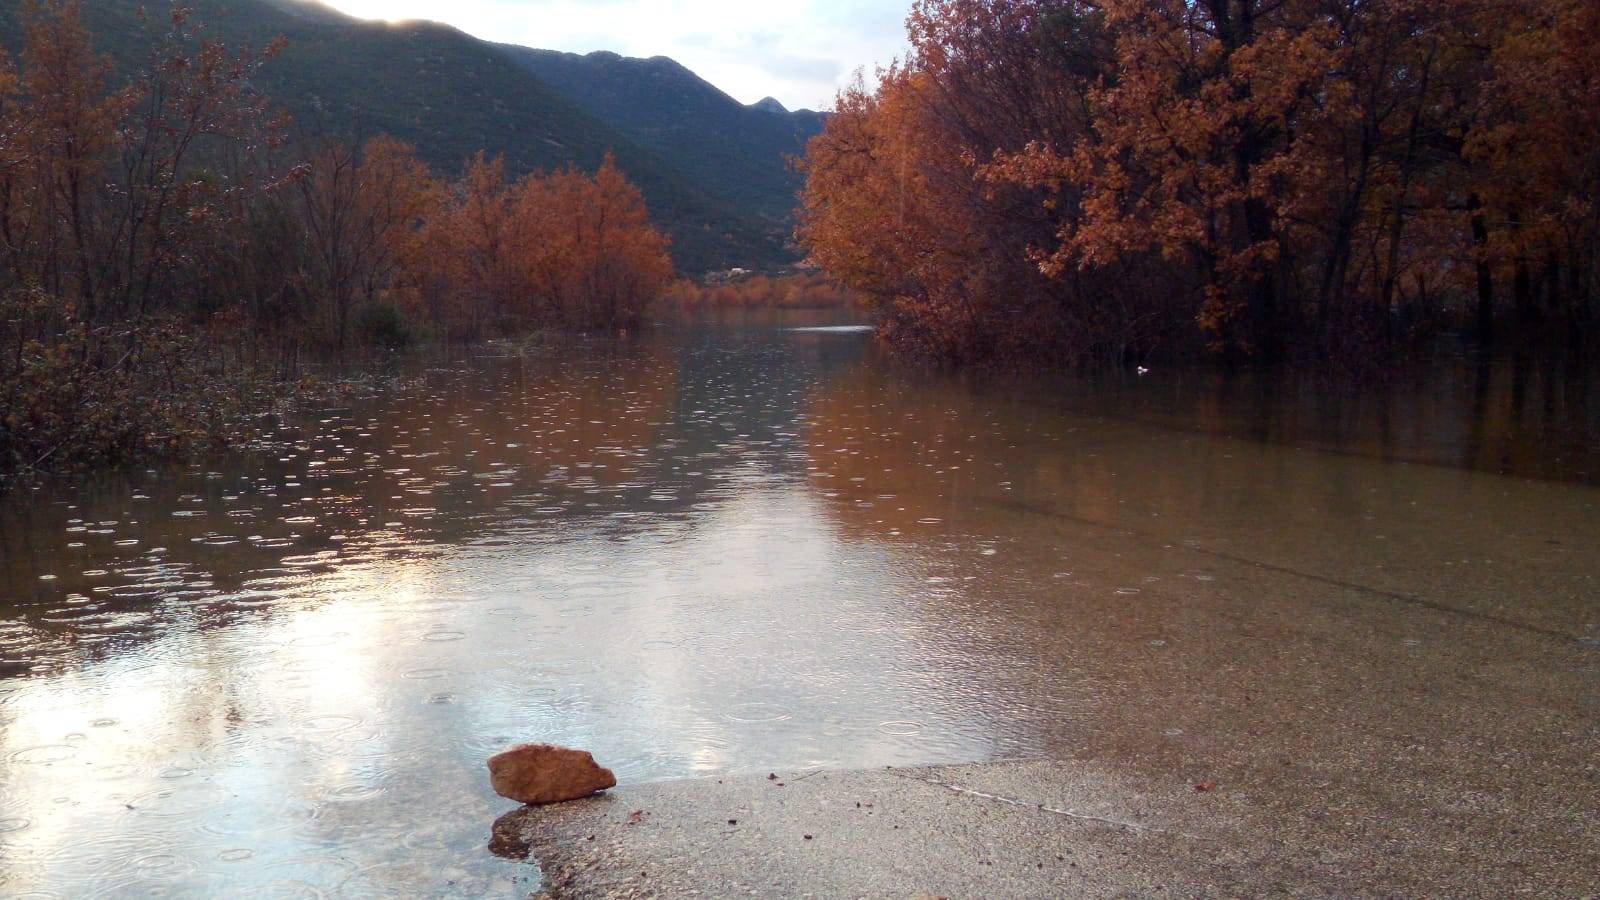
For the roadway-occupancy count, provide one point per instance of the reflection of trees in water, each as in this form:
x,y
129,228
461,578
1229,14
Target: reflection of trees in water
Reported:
x,y
406,474
1165,600
611,437
921,463
598,437
1521,415
1164,466
945,440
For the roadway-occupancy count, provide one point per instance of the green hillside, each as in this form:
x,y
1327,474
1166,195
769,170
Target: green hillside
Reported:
x,y
450,95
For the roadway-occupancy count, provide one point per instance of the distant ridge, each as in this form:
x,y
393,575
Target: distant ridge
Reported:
x,y
737,154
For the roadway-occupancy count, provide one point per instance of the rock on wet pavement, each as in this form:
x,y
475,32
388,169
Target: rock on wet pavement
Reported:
x,y
544,773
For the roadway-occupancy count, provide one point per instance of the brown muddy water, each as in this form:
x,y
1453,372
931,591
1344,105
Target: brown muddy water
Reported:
x,y
732,547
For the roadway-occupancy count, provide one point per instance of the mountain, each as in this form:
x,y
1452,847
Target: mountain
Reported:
x,y
738,154
450,94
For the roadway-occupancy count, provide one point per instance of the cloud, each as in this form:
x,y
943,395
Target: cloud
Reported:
x,y
800,68
801,52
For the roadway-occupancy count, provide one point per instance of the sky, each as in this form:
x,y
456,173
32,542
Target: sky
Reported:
x,y
799,51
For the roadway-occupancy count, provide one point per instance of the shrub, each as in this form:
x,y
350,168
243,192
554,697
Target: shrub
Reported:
x,y
77,396
381,325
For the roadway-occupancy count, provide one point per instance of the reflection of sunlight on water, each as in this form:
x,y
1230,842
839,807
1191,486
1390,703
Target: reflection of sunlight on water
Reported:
x,y
692,557
677,610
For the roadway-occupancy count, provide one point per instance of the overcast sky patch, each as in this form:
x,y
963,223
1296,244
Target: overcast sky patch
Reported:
x,y
799,52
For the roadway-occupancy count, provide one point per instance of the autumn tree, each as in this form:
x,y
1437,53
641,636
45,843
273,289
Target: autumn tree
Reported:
x,y
565,249
592,257
1189,152
894,206
64,140
1535,151
190,156
469,267
362,209
117,181
1264,177
107,192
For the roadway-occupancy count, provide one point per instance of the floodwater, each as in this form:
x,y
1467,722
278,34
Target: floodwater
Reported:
x,y
756,545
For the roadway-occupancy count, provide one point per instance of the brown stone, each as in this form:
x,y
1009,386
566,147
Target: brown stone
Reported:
x,y
545,773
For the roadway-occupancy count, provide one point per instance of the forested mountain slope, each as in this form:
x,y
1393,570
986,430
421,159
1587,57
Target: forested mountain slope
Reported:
x,y
451,95
736,153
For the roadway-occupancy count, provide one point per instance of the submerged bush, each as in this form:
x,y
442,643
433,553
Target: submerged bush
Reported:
x,y
77,396
382,325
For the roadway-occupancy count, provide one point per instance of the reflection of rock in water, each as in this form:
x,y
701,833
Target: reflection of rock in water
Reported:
x,y
508,839
540,835
543,836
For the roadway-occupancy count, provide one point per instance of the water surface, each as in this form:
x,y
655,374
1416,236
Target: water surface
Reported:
x,y
735,547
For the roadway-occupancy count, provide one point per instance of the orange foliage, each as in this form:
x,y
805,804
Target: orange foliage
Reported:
x,y
1101,177
101,191
567,249
893,207
801,291
1537,141
594,258
160,198
362,211
138,224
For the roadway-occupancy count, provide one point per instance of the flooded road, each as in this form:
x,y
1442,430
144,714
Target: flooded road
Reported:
x,y
748,546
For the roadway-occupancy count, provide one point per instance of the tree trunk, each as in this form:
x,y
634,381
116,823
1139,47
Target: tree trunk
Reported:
x,y
1552,282
1391,272
1480,245
1522,292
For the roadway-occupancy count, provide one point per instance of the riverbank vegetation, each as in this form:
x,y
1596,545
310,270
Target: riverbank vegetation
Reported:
x,y
798,290
1114,180
170,246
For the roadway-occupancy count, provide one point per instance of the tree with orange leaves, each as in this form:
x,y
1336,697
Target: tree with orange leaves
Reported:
x,y
362,209
565,249
106,191
466,271
63,141
1188,148
894,206
1257,176
593,258
1536,148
